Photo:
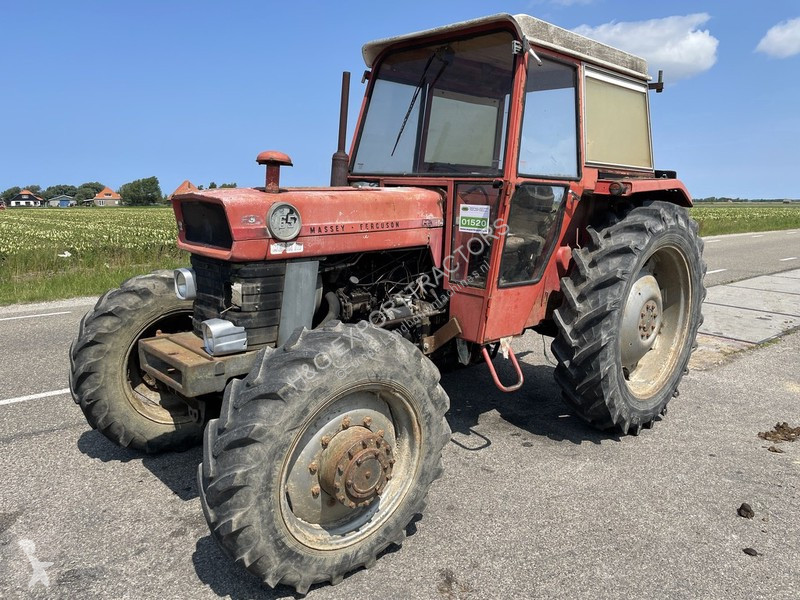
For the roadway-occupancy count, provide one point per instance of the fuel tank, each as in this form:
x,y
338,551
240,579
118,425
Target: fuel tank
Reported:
x,y
233,224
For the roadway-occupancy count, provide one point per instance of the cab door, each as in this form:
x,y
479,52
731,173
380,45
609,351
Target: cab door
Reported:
x,y
546,188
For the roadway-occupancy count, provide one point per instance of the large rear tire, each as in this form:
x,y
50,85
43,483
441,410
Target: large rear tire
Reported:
x,y
630,317
323,454
117,398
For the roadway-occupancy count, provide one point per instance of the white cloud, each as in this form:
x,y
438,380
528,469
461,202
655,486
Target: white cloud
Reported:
x,y
782,40
674,44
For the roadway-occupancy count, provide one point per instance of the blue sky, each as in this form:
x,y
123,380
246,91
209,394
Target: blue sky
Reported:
x,y
115,91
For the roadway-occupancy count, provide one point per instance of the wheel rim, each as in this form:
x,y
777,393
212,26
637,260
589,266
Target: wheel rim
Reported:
x,y
655,322
145,395
350,466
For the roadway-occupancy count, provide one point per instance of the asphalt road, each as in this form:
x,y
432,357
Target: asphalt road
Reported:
x,y
532,504
742,255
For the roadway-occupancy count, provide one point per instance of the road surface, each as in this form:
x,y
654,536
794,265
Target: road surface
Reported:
x,y
532,504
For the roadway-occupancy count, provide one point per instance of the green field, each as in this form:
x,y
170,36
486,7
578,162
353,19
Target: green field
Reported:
x,y
105,246
742,217
108,245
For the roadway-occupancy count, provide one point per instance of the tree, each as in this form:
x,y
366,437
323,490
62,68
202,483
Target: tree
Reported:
x,y
58,190
212,186
88,190
227,185
141,192
36,190
10,193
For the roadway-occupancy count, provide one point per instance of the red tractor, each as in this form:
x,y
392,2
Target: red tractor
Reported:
x,y
500,179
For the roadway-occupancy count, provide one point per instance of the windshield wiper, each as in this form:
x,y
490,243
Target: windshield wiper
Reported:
x,y
444,54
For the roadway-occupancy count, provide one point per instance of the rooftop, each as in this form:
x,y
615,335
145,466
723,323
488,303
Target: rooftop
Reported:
x,y
537,32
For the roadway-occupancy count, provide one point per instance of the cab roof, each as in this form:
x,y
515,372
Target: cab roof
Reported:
x,y
538,32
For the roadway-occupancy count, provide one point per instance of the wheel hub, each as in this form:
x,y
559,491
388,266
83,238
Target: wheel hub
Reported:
x,y
648,320
641,320
355,466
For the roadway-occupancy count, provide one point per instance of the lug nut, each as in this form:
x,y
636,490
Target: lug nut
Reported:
x,y
312,468
345,422
326,439
367,421
315,491
381,433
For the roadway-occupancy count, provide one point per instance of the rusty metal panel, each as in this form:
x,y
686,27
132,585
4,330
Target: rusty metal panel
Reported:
x,y
444,334
179,361
335,221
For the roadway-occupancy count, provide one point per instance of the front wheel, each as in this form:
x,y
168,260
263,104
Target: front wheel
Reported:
x,y
630,317
118,399
323,454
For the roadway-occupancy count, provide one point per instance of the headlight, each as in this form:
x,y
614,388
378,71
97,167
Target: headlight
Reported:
x,y
283,221
185,284
222,337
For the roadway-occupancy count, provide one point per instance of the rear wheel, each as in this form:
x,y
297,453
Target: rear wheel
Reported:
x,y
116,396
323,454
630,316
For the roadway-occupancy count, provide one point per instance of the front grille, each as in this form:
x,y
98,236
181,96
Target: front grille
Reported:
x,y
206,223
248,295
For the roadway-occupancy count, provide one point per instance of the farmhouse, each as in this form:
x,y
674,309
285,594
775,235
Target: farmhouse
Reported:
x,y
62,201
105,197
184,188
25,198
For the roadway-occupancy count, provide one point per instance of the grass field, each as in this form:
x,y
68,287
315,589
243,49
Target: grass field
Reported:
x,y
742,217
106,246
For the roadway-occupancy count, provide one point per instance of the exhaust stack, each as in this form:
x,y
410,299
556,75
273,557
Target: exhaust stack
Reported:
x,y
340,158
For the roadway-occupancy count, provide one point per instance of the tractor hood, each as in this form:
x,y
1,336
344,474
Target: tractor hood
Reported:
x,y
234,224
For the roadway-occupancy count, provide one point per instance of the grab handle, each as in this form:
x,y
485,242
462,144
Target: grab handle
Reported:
x,y
500,386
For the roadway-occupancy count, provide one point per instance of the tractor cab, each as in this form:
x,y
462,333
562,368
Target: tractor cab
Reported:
x,y
515,120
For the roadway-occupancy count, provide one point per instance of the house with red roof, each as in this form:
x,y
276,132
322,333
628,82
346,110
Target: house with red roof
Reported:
x,y
184,188
25,198
105,197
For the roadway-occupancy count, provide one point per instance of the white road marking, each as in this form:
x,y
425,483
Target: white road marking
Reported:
x,y
712,241
715,271
759,235
785,259
34,397
63,312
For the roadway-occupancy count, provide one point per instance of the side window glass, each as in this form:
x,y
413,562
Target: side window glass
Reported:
x,y
534,221
549,144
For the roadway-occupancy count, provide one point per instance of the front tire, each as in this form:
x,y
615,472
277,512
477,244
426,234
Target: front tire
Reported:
x,y
630,317
116,397
323,454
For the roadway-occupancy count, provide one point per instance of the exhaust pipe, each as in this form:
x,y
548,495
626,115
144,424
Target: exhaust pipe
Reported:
x,y
340,158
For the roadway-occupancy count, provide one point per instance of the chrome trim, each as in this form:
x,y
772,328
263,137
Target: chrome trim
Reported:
x,y
222,337
185,284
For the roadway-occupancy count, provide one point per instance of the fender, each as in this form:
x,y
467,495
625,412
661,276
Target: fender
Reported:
x,y
669,190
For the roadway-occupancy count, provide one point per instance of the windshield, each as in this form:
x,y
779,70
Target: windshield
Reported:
x,y
441,108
